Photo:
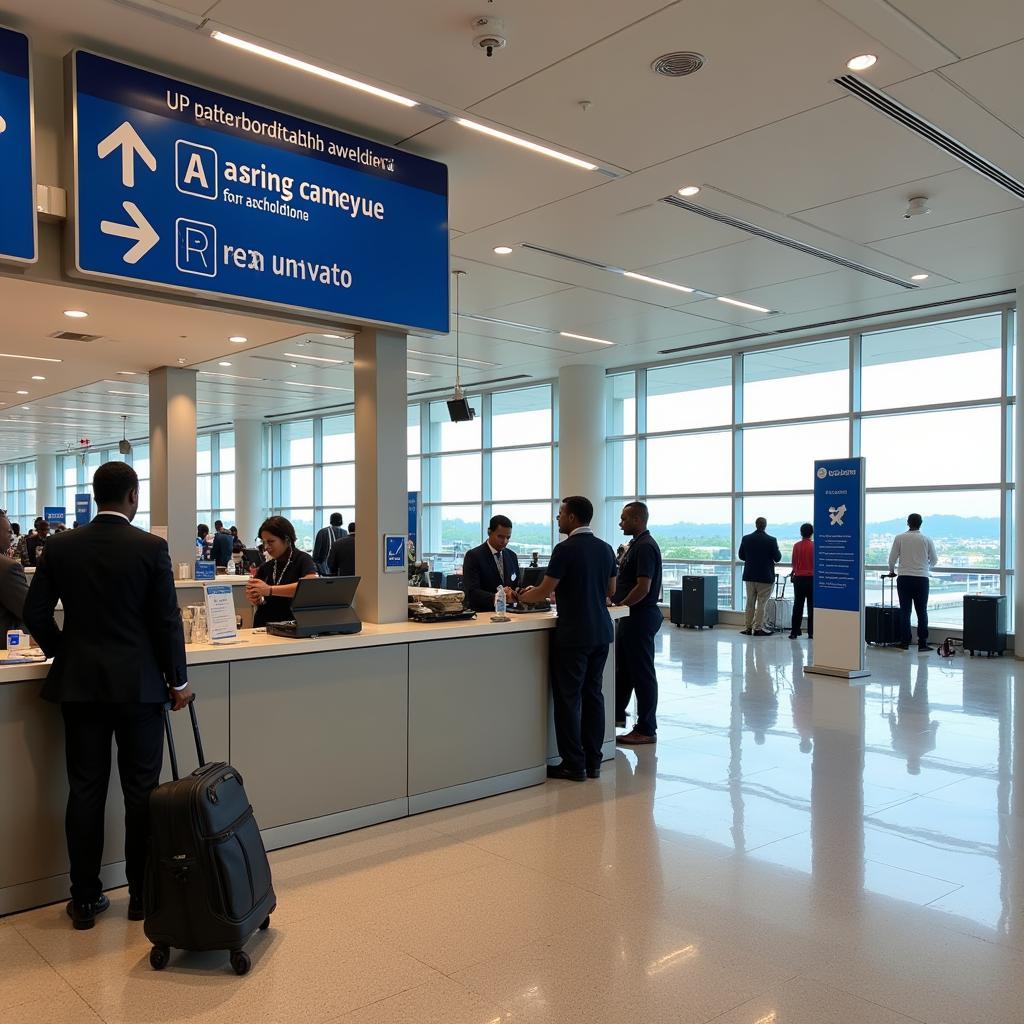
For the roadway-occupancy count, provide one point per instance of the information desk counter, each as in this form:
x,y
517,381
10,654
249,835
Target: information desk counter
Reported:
x,y
329,735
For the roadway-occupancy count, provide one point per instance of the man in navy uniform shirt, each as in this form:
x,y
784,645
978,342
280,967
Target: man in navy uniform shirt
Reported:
x,y
583,569
489,566
639,589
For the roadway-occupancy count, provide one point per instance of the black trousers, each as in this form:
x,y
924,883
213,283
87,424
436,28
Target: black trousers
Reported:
x,y
913,591
88,729
634,667
577,676
803,590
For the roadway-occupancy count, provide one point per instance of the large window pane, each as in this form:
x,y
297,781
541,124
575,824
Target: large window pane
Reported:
x,y
956,447
692,528
621,410
802,380
455,477
782,458
691,395
339,485
672,574
302,520
951,361
413,474
785,515
297,443
452,529
203,493
964,525
339,439
532,528
227,490
446,436
524,473
203,461
412,429
690,464
297,487
621,467
521,417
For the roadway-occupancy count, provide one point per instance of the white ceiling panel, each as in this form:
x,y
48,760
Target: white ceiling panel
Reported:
x,y
995,79
484,286
953,197
967,28
638,118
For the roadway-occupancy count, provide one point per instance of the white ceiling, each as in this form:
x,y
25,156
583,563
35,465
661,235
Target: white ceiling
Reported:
x,y
762,128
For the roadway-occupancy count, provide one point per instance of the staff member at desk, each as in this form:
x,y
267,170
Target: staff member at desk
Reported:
x,y
583,569
490,566
271,590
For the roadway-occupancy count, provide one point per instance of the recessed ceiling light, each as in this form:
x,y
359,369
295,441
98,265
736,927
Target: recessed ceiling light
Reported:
x,y
334,336
585,337
306,384
742,305
294,366
36,376
75,314
502,250
223,364
525,143
238,339
37,359
229,376
319,359
416,373
689,190
127,373
182,361
919,277
862,63
25,407
22,392
657,281
313,69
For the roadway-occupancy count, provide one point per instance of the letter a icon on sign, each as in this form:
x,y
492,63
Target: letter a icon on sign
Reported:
x,y
195,169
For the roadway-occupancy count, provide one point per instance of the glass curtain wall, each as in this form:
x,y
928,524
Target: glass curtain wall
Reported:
x,y
712,444
18,492
75,470
215,478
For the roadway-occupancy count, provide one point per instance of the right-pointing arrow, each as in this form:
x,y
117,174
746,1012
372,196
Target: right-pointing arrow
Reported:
x,y
128,140
141,231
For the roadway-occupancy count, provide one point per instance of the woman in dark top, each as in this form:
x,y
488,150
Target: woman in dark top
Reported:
x,y
272,588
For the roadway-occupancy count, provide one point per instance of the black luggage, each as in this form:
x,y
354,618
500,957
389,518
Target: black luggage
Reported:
x,y
882,621
208,882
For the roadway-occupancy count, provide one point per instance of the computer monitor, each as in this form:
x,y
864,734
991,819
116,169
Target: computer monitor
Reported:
x,y
252,556
324,592
534,577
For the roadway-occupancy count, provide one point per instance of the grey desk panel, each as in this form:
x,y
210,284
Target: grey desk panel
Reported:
x,y
477,709
316,734
210,684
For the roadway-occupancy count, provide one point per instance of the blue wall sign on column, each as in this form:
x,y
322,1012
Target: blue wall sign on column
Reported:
x,y
839,568
179,187
83,508
17,171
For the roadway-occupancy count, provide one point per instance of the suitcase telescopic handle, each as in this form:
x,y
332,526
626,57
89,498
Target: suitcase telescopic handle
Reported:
x,y
170,736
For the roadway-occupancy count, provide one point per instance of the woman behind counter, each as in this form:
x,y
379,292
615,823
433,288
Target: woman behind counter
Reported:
x,y
272,588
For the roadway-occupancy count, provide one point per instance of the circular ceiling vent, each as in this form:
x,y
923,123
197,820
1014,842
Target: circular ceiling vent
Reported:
x,y
679,64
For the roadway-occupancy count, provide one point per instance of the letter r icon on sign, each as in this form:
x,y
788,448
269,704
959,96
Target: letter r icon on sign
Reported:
x,y
195,250
195,169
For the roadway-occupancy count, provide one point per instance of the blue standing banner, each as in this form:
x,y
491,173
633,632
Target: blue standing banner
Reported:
x,y
414,519
55,515
839,568
18,239
83,508
179,187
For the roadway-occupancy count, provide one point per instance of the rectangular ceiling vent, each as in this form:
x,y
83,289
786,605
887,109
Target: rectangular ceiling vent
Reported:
x,y
572,259
75,336
936,136
790,243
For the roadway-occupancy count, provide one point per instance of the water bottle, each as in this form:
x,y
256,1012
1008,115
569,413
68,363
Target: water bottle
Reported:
x,y
499,603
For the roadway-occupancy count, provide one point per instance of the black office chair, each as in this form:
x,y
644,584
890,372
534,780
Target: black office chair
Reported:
x,y
453,582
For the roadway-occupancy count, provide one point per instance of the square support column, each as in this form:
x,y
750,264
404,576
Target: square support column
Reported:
x,y
381,473
172,449
249,497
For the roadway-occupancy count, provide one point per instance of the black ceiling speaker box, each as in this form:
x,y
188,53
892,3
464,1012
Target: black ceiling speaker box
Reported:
x,y
460,410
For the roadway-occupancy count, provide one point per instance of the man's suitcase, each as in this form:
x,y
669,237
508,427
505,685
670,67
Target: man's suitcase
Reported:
x,y
208,883
882,621
778,610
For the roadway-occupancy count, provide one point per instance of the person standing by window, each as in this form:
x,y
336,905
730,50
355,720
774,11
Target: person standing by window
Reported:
x,y
915,555
803,582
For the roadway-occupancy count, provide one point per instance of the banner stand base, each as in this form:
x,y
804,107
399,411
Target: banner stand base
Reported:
x,y
837,673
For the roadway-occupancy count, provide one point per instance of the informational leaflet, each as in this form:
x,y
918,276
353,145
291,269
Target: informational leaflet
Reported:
x,y
179,187
220,613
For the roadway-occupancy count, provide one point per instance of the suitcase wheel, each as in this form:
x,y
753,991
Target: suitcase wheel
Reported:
x,y
265,925
158,957
240,961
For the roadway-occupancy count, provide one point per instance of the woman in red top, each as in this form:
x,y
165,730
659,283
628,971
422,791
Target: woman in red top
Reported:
x,y
803,582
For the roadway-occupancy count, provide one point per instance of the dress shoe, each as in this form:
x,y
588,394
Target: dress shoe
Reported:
x,y
635,739
762,632
563,771
794,636
594,773
746,632
925,648
136,908
83,915
903,647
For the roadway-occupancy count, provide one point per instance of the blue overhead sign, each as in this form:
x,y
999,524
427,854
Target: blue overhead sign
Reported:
x,y
180,187
17,174
839,534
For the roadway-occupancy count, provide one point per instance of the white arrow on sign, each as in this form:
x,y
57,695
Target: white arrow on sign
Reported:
x,y
128,140
141,231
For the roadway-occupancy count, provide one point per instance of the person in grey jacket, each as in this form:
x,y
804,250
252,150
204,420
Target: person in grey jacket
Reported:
x,y
13,584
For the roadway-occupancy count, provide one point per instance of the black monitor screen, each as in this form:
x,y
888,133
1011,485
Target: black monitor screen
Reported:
x,y
325,592
534,577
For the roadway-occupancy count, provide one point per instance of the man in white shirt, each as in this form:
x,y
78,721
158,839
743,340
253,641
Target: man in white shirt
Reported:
x,y
916,557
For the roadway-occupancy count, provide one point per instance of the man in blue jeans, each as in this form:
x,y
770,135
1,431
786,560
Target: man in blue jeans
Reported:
x,y
915,555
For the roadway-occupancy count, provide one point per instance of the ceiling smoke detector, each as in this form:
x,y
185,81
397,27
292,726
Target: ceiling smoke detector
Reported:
x,y
489,34
678,64
917,207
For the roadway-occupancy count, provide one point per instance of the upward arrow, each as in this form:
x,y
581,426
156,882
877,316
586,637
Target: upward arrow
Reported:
x,y
127,139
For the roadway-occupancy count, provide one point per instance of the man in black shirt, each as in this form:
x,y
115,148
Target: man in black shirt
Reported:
x,y
324,540
35,544
759,551
639,589
583,569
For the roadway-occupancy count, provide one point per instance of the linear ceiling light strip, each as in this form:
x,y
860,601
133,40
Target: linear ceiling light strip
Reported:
x,y
791,243
885,104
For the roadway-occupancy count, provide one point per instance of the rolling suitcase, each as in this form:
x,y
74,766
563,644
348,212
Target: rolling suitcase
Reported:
x,y
208,882
778,611
882,621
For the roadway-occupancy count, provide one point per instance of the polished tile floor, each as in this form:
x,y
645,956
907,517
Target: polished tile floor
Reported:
x,y
791,852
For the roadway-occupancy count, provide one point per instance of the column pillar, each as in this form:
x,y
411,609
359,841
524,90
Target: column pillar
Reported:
x,y
1018,476
46,484
381,492
581,446
172,449
249,503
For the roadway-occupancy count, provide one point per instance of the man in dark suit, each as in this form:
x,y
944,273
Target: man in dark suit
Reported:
x,y
119,657
490,566
13,585
342,559
325,540
222,546
583,569
759,552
